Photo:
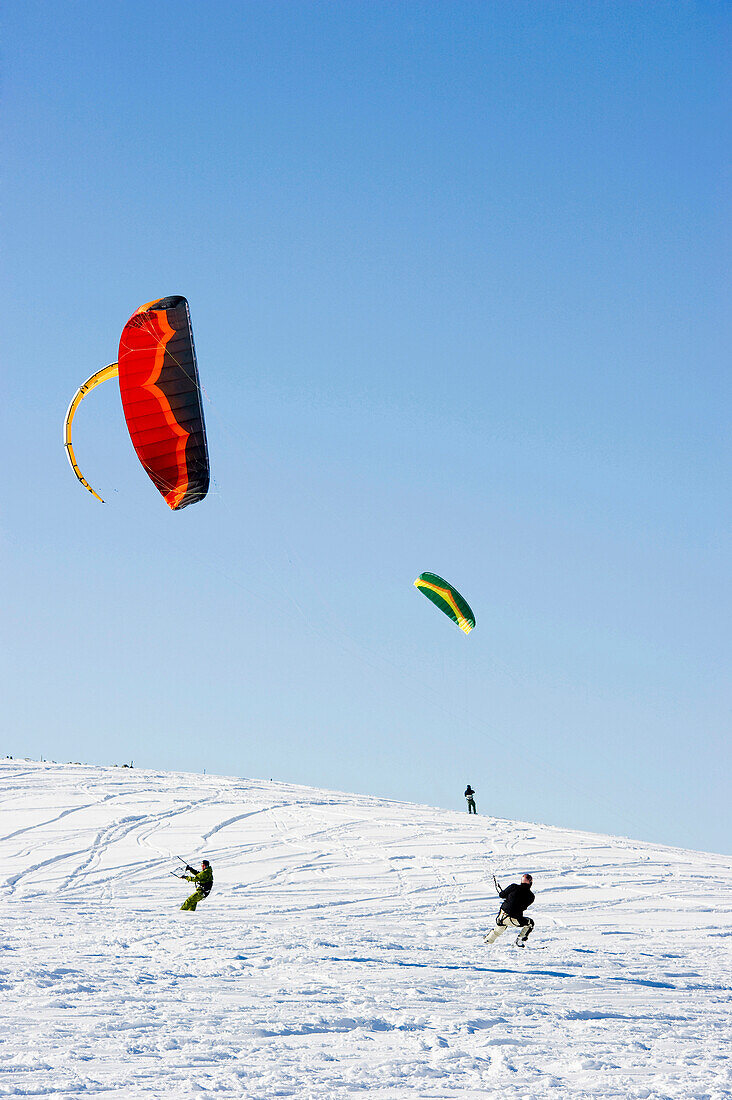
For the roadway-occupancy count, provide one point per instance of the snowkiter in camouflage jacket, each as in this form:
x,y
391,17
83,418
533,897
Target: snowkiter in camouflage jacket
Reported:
x,y
204,882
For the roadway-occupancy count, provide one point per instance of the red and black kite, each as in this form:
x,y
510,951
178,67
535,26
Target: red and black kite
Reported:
x,y
161,399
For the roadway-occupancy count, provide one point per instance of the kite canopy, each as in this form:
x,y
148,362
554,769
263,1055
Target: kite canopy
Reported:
x,y
161,399
447,598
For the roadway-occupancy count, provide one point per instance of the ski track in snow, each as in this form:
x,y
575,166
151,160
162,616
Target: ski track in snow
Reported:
x,y
341,950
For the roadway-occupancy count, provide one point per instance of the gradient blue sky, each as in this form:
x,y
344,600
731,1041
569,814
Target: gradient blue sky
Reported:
x,y
455,273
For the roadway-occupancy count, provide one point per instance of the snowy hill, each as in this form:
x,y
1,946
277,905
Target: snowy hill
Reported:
x,y
341,949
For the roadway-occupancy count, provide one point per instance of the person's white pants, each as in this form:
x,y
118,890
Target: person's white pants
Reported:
x,y
503,921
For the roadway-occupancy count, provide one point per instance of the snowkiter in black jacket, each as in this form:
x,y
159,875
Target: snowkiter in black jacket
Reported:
x,y
469,792
514,900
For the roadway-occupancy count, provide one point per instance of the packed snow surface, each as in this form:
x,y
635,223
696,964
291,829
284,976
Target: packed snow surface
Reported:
x,y
341,951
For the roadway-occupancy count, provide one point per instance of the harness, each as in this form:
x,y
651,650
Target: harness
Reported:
x,y
517,922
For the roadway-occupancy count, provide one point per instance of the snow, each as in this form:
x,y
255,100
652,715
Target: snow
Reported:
x,y
340,953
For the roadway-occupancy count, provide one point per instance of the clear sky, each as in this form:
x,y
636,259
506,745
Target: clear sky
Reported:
x,y
455,272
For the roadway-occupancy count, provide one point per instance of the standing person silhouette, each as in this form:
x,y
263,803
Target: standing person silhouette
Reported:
x,y
469,792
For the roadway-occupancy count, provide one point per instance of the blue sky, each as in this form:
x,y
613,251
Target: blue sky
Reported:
x,y
456,280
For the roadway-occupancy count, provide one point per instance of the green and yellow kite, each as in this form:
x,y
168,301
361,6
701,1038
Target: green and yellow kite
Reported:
x,y
448,599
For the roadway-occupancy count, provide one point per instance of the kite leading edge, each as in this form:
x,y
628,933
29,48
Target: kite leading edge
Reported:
x,y
110,371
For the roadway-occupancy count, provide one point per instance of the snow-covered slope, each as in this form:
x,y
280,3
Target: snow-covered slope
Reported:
x,y
341,950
